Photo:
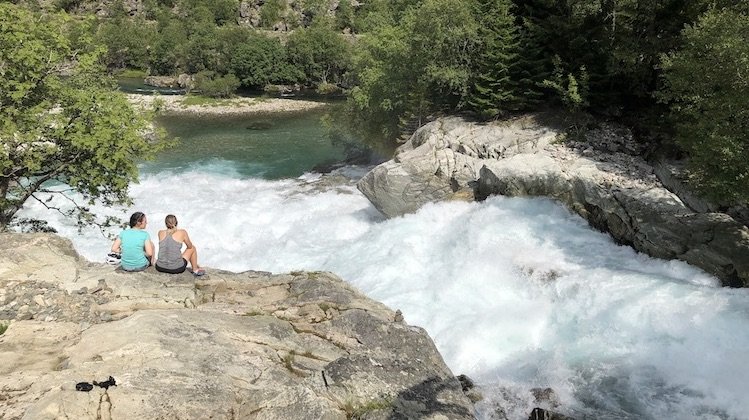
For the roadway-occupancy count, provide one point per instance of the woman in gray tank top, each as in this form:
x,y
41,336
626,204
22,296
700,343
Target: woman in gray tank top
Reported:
x,y
171,259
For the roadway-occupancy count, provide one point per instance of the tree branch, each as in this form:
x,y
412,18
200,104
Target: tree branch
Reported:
x,y
76,207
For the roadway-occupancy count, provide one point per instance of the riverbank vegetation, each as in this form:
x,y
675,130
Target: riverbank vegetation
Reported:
x,y
673,70
61,120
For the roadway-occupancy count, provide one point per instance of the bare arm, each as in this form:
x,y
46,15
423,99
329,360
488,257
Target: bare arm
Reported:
x,y
187,240
116,246
149,251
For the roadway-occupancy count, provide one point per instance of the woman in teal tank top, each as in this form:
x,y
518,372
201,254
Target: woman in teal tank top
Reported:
x,y
135,245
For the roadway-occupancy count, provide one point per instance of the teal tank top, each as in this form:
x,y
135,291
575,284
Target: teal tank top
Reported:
x,y
133,248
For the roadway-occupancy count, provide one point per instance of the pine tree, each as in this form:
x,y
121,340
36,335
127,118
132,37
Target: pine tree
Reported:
x,y
535,19
493,90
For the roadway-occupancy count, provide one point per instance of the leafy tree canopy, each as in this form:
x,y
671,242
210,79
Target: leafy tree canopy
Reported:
x,y
60,118
708,86
319,51
262,60
408,70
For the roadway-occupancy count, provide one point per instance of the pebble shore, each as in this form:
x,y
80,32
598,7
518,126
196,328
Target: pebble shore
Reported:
x,y
174,104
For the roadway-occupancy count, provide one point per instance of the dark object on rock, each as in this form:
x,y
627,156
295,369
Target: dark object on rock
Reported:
x,y
106,384
113,258
83,386
398,316
466,383
541,414
86,387
469,389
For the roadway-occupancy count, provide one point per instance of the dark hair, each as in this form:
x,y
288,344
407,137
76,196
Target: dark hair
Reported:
x,y
136,218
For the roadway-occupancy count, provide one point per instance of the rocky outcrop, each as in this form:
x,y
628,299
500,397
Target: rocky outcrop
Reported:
x,y
291,14
247,345
600,177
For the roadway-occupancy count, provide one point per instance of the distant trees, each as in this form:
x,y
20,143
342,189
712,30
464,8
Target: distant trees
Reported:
x,y
261,60
409,60
127,42
202,36
61,119
319,52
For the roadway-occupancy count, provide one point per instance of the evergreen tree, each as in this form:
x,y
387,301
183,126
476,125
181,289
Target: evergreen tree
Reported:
x,y
493,89
537,48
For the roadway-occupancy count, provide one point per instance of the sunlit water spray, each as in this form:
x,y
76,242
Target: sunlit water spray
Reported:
x,y
517,293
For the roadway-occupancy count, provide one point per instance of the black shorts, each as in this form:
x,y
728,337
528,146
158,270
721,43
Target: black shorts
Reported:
x,y
172,270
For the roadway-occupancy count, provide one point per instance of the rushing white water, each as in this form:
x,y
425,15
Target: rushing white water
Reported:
x,y
517,293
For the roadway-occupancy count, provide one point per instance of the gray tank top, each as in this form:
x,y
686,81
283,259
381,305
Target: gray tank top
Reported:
x,y
170,253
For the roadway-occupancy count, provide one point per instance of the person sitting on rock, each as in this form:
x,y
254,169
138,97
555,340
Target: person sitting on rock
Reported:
x,y
171,259
135,245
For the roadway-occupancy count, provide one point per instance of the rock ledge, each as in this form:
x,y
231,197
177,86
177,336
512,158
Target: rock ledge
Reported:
x,y
250,345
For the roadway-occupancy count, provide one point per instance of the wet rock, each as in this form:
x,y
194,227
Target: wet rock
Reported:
x,y
541,414
469,388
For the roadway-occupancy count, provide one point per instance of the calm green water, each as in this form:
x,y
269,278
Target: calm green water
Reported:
x,y
263,146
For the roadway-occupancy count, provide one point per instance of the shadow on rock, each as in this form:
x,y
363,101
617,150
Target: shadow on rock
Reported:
x,y
421,401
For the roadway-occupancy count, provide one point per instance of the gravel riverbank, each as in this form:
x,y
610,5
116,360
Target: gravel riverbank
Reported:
x,y
175,104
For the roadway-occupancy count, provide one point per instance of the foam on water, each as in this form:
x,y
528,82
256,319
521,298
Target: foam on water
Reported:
x,y
517,293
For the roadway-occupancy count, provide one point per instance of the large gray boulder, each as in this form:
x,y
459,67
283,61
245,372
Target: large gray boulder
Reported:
x,y
247,345
442,161
602,178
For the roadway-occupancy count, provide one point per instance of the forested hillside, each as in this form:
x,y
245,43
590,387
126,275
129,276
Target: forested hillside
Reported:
x,y
674,70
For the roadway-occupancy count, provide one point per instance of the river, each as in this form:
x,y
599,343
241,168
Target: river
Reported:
x,y
517,293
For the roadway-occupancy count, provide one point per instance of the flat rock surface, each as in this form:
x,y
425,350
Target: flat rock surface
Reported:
x,y
253,345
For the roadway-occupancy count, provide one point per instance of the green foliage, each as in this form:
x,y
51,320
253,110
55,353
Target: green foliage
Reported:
x,y
167,54
202,51
405,72
212,85
131,74
376,103
3,327
75,129
374,14
493,90
571,89
315,9
356,409
617,42
128,42
707,85
320,52
262,60
345,15
271,12
218,12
